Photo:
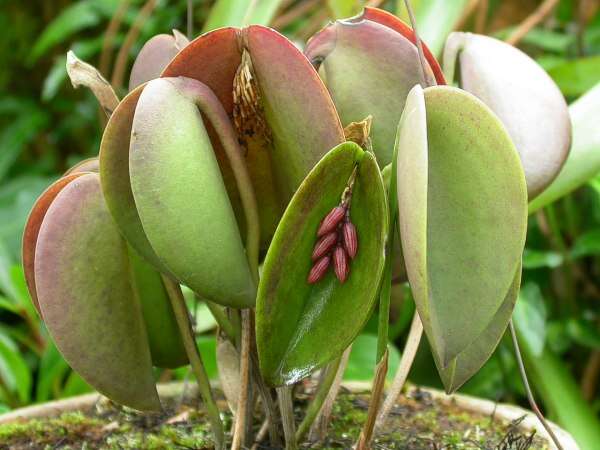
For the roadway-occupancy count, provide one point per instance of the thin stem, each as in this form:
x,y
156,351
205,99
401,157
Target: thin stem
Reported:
x,y
121,61
223,321
317,402
318,430
384,301
530,397
427,80
286,405
408,356
543,11
190,19
239,432
366,435
109,36
187,336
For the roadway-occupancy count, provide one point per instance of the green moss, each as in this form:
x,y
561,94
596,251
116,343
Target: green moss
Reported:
x,y
416,423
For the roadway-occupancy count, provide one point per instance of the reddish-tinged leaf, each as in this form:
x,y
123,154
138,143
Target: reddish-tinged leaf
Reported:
x,y
86,296
32,228
393,22
154,56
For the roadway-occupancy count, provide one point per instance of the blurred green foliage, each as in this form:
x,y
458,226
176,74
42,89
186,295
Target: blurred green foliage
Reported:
x,y
46,126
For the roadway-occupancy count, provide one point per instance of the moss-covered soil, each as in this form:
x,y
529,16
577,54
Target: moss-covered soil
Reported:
x,y
417,423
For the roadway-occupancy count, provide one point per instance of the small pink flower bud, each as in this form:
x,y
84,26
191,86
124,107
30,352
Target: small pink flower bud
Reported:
x,y
340,263
350,238
324,245
318,270
331,220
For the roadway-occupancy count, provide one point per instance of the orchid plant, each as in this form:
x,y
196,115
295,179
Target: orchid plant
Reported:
x,y
289,190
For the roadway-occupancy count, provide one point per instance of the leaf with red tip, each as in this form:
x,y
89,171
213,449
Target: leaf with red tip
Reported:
x,y
369,69
526,100
301,119
32,229
154,56
396,24
299,112
87,165
181,198
301,326
86,297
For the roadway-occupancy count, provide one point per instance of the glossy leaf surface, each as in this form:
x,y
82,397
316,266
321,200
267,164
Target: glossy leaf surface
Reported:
x,y
181,199
526,100
368,68
298,112
462,229
86,297
299,326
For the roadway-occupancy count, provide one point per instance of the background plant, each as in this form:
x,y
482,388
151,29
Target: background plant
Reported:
x,y
557,314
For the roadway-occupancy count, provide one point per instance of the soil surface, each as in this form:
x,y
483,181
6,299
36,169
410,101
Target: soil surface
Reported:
x,y
418,422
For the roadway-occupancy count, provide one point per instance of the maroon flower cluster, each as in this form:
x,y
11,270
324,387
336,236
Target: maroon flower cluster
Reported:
x,y
338,242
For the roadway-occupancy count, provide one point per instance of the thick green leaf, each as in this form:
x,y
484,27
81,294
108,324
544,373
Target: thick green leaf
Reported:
x,y
583,162
114,175
86,297
462,229
164,337
32,229
154,56
299,326
181,199
472,358
368,69
521,99
300,120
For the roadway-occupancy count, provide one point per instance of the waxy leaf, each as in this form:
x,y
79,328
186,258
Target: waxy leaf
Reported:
x,y
154,56
522,95
462,213
301,326
289,119
181,199
114,175
369,68
86,296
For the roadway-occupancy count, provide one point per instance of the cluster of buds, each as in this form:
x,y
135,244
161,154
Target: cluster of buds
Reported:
x,y
337,242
